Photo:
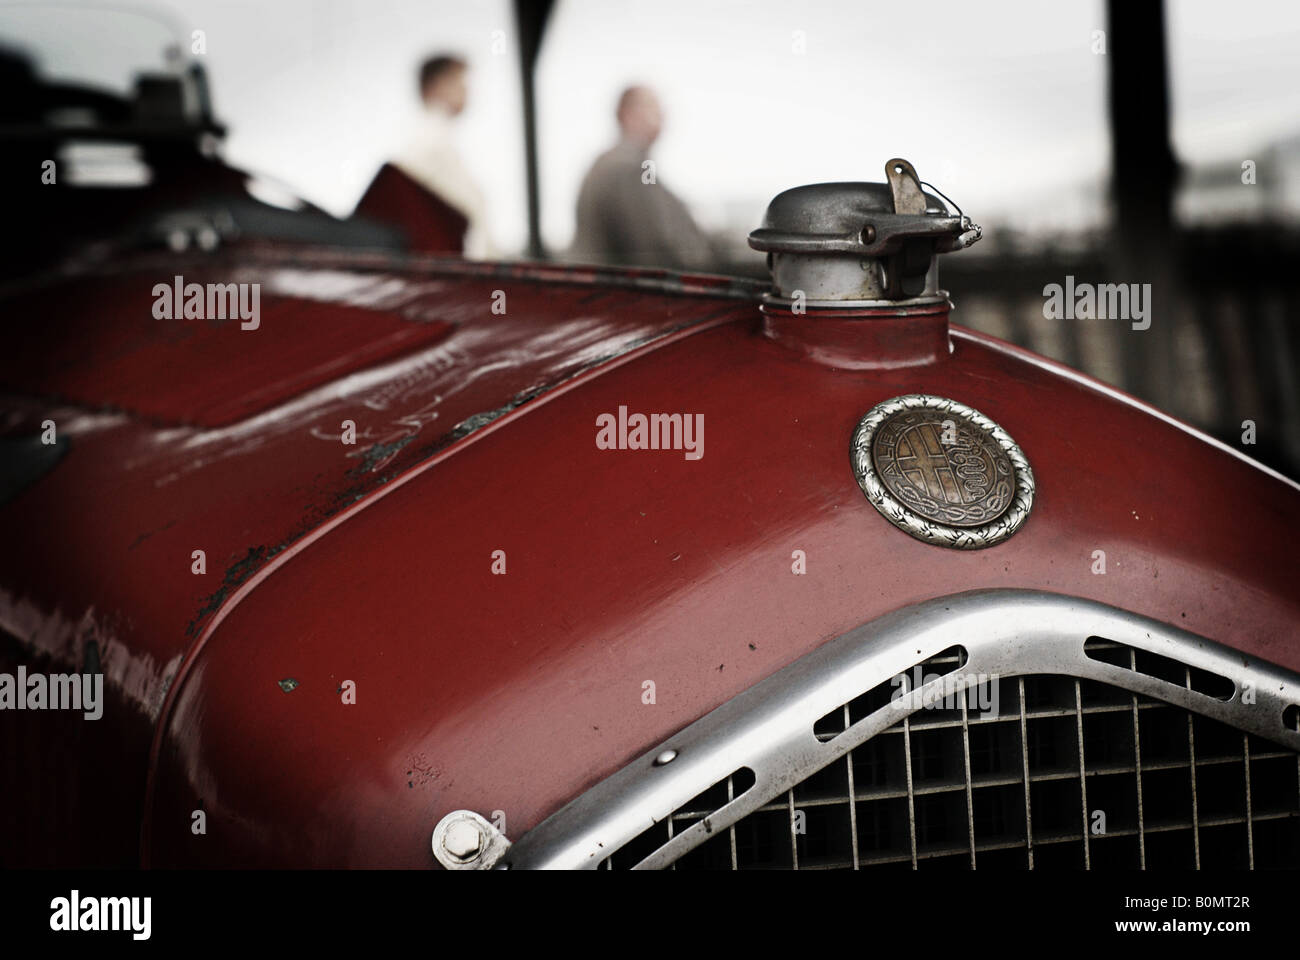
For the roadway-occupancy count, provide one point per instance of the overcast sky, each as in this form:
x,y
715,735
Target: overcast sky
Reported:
x,y
1000,104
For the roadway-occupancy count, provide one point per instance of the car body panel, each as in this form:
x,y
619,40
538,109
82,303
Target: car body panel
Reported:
x,y
192,435
515,692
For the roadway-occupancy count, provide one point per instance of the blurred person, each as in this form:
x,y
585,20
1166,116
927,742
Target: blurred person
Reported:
x,y
426,189
622,218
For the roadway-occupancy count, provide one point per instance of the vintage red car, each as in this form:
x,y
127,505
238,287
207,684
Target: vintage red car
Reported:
x,y
393,560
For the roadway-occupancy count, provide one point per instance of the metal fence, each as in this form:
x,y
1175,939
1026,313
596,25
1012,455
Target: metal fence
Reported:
x,y
1224,342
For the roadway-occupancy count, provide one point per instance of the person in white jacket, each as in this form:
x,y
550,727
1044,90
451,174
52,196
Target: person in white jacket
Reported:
x,y
430,157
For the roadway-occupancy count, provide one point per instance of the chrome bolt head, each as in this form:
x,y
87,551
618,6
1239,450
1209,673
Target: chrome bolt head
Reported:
x,y
462,840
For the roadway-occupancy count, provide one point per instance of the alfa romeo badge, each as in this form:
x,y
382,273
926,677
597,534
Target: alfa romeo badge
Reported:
x,y
942,471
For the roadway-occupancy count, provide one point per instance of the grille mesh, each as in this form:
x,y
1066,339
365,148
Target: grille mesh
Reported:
x,y
1023,789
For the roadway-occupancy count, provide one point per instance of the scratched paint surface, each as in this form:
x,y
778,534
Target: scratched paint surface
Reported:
x,y
194,435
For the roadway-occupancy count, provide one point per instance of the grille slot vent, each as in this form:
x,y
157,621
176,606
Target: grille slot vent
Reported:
x,y
863,706
699,807
1022,789
1159,668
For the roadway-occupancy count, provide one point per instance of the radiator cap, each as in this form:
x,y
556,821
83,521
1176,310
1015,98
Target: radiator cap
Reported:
x,y
860,242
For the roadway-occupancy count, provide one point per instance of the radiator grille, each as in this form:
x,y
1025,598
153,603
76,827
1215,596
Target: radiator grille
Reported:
x,y
1070,774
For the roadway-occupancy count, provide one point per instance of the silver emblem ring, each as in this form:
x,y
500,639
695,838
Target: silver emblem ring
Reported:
x,y
942,471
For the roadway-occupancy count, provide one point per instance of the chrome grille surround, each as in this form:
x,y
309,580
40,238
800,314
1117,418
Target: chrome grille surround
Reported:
x,y
768,731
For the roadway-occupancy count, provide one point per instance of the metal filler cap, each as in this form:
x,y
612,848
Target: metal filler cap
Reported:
x,y
861,244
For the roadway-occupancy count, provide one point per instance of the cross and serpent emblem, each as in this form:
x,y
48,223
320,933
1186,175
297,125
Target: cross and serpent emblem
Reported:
x,y
943,467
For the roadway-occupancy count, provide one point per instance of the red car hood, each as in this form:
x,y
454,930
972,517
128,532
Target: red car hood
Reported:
x,y
476,433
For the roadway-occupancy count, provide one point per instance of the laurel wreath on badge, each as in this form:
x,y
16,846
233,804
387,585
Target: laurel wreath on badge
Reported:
x,y
942,471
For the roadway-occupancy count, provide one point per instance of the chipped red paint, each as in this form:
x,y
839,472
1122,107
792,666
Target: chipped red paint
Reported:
x,y
516,692
195,436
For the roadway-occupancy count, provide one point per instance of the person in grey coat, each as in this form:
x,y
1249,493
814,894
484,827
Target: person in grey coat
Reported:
x,y
625,215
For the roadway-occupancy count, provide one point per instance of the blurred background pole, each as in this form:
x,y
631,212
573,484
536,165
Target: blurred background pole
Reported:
x,y
1143,178
530,22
